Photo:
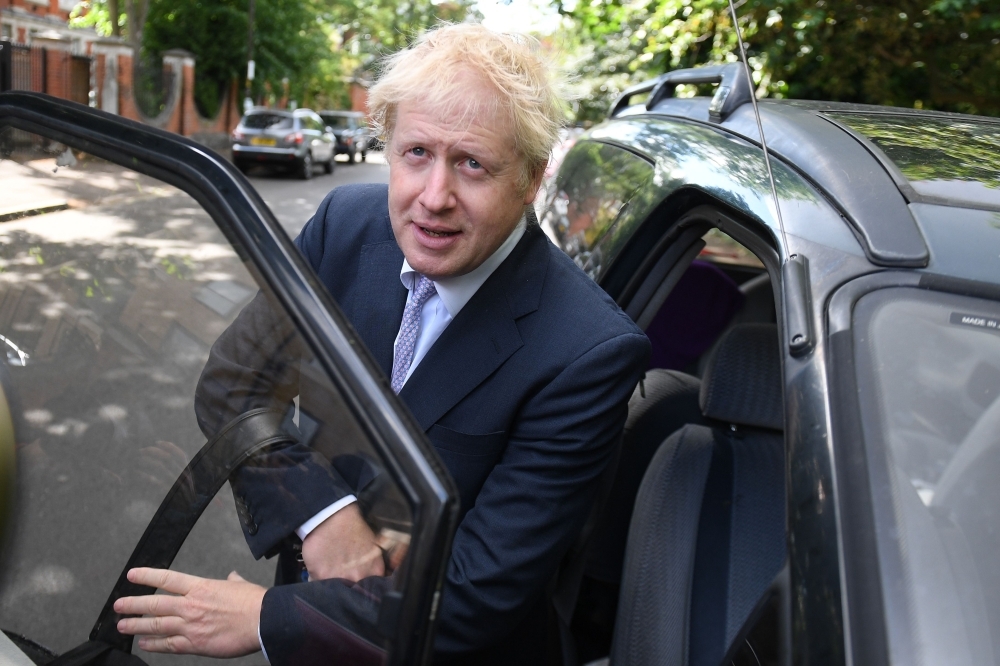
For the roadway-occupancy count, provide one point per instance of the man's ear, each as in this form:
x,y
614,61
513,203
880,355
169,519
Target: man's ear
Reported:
x,y
534,182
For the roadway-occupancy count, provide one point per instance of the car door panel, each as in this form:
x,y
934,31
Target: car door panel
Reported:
x,y
110,305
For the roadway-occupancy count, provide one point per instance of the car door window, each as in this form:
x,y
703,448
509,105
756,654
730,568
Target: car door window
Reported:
x,y
135,331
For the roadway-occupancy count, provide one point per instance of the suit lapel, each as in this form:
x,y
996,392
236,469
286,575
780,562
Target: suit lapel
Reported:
x,y
483,335
381,298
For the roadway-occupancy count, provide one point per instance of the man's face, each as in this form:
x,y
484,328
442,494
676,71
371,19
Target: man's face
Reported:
x,y
453,186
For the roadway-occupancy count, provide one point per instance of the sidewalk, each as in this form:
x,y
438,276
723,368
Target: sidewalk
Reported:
x,y
40,186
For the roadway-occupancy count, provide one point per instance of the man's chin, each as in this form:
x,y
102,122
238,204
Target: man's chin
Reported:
x,y
432,267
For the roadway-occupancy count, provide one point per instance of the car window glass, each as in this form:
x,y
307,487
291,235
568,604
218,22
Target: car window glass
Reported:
x,y
929,388
267,121
594,183
336,122
132,334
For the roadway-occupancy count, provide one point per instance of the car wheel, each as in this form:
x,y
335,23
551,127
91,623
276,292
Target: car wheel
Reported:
x,y
364,155
352,156
328,165
306,167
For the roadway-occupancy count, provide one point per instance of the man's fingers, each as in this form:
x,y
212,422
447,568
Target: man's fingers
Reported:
x,y
168,644
163,579
154,626
150,604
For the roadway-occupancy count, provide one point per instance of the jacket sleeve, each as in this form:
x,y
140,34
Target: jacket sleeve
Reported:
x,y
535,501
255,363
525,518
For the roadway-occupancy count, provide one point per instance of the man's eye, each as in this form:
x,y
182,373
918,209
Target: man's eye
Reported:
x,y
418,151
474,164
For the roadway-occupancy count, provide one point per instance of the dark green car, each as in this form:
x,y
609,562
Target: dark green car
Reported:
x,y
808,474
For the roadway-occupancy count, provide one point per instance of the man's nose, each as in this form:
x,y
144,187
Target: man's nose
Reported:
x,y
438,193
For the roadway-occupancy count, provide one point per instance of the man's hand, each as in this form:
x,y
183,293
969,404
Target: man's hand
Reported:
x,y
213,618
343,546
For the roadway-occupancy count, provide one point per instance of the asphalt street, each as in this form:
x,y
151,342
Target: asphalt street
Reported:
x,y
294,201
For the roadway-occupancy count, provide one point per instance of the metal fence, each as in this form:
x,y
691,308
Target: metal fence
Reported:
x,y
152,85
24,67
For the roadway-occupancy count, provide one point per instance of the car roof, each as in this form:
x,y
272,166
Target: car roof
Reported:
x,y
261,110
869,160
351,114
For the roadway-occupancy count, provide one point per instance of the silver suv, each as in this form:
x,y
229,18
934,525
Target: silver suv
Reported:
x,y
297,139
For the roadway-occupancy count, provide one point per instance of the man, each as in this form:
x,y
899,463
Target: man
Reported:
x,y
517,366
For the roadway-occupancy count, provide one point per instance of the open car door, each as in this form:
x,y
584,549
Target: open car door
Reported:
x,y
160,335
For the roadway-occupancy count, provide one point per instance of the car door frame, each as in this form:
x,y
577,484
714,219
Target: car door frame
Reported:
x,y
816,622
407,619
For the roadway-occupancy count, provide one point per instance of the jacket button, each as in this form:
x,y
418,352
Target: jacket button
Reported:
x,y
252,529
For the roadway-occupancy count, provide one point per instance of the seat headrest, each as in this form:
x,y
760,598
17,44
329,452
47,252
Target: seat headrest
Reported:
x,y
742,381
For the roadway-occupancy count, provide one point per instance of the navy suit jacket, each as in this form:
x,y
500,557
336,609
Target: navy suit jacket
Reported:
x,y
522,396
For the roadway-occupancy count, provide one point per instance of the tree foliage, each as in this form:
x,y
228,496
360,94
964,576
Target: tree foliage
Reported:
x,y
318,46
940,54
288,42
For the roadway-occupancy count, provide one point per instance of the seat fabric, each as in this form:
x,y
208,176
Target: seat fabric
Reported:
x,y
707,535
665,402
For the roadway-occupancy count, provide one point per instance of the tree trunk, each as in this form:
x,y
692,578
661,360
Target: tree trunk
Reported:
x,y
113,10
135,12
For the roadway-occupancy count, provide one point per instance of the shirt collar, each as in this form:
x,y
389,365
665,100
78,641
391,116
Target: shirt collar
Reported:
x,y
455,292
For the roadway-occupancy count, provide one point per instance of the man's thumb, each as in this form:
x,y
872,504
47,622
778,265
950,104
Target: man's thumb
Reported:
x,y
233,576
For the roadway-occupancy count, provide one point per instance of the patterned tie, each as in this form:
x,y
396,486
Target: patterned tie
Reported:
x,y
408,330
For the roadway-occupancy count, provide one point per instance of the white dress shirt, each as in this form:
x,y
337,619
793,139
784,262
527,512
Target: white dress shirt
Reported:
x,y
452,294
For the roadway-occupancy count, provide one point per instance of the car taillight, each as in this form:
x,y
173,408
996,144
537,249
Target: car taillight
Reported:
x,y
294,137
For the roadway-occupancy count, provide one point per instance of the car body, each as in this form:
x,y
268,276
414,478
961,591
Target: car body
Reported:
x,y
351,129
880,282
293,139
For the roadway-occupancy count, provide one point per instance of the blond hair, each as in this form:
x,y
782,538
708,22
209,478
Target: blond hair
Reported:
x,y
436,67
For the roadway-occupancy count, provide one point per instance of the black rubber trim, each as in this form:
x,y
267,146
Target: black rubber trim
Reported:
x,y
197,485
960,286
865,608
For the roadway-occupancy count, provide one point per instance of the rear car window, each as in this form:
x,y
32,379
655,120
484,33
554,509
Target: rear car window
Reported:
x,y
595,182
267,121
338,122
942,158
929,388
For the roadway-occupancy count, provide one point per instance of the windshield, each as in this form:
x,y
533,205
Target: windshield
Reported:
x,y
942,158
337,122
267,121
929,385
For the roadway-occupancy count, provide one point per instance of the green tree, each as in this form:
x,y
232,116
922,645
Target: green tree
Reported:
x,y
320,47
940,54
288,42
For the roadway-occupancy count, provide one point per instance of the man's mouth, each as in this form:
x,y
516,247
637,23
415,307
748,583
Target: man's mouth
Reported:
x,y
437,234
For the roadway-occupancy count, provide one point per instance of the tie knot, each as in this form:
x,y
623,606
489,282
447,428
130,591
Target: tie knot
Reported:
x,y
423,290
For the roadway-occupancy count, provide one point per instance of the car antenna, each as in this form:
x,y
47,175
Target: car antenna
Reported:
x,y
760,125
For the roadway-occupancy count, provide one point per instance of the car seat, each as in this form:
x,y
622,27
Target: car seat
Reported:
x,y
664,401
707,535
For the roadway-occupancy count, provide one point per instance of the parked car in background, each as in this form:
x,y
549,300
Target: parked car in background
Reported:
x,y
298,140
352,132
